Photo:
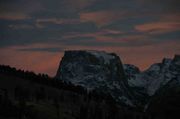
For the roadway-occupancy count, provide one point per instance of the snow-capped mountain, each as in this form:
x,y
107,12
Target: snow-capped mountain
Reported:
x,y
156,77
104,72
96,70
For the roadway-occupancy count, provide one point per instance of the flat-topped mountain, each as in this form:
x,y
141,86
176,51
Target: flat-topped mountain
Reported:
x,y
96,70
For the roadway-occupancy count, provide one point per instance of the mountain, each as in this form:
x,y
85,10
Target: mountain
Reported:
x,y
104,72
156,77
165,101
151,94
96,70
26,95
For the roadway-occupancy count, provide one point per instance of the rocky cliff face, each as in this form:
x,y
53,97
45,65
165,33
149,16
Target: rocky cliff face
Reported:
x,y
96,70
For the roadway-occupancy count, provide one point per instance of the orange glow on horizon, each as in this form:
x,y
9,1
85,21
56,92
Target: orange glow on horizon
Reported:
x,y
48,62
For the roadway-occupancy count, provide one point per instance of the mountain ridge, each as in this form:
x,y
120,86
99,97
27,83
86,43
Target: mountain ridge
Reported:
x,y
127,84
156,75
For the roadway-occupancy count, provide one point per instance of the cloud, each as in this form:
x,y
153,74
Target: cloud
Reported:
x,y
52,49
102,17
170,17
67,9
14,16
164,5
158,27
99,5
123,40
66,25
27,32
99,32
11,37
41,23
21,26
19,9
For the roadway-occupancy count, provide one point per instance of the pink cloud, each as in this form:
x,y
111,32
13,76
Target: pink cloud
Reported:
x,y
102,17
40,23
124,39
99,33
14,16
170,17
158,27
20,26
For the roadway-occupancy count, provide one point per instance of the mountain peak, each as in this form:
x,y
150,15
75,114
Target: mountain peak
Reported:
x,y
85,62
166,61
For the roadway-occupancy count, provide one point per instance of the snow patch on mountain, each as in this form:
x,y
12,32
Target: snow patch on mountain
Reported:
x,y
103,55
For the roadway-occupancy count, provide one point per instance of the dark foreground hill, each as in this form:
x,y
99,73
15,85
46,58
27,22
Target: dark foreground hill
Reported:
x,y
25,95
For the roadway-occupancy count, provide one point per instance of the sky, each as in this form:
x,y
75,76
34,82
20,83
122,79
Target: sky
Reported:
x,y
35,33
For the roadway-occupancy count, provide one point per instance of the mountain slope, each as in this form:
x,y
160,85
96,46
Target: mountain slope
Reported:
x,y
156,77
25,95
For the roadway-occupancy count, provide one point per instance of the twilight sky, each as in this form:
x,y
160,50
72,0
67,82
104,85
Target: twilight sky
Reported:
x,y
35,33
